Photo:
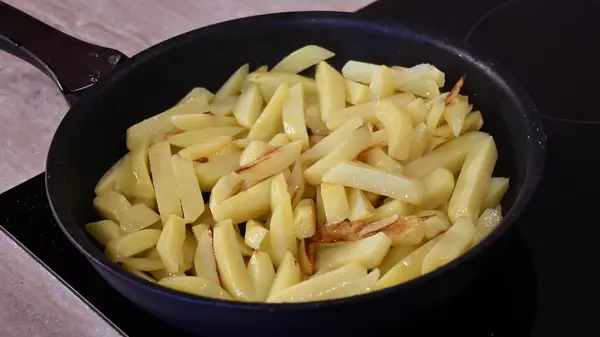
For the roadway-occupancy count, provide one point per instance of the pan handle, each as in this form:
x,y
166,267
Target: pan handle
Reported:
x,y
72,64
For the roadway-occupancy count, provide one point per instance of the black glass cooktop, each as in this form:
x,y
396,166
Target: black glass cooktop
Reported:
x,y
540,281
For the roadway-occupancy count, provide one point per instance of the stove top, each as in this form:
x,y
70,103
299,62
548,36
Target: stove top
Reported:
x,y
537,284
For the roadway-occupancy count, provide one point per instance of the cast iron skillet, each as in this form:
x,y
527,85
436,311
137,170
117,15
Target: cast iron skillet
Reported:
x,y
92,136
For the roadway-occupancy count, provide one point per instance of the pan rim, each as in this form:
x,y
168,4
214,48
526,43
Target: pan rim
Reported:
x,y
534,168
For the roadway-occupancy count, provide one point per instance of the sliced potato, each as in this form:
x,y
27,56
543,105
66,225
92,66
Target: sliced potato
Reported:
x,y
124,179
451,245
296,184
331,141
359,71
331,89
473,122
165,185
244,249
439,185
163,273
254,150
107,181
275,79
103,231
450,156
279,140
270,121
131,244
434,222
347,150
246,205
111,205
142,133
436,110
302,59
192,201
379,159
369,252
368,178
271,163
395,255
435,142
360,207
495,192
335,202
209,171
170,244
419,140
392,207
192,122
366,111
406,269
143,263
228,186
294,124
314,121
249,106
205,149
195,285
321,219
139,274
307,257
233,85
189,251
138,217
382,83
422,87
282,233
141,186
356,93
318,286
418,111
355,287
230,263
399,121
205,264
288,274
305,219
255,234
473,181
261,273
487,222
201,136
198,92
455,114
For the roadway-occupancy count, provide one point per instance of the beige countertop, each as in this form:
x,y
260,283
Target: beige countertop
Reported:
x,y
32,302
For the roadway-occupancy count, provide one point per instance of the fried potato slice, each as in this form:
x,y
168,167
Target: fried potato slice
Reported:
x,y
451,245
271,162
302,59
262,274
487,222
249,106
165,185
369,252
193,122
111,205
255,234
192,201
331,141
195,285
294,123
356,93
103,231
141,186
434,222
335,202
360,207
439,185
233,85
288,274
170,244
138,217
399,121
331,89
209,170
270,121
205,264
283,236
131,244
495,192
246,205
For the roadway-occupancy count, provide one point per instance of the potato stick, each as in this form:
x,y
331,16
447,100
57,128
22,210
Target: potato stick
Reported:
x,y
392,207
226,187
369,252
294,124
283,236
314,121
367,178
487,222
209,170
141,186
107,181
331,141
307,257
233,85
317,286
139,274
275,79
230,264
255,234
190,138
395,255
356,93
401,123
138,217
205,264
379,159
192,201
382,83
355,287
271,163
473,181
331,89
419,140
261,273
193,122
335,202
246,205
439,185
111,205
302,59
451,245
365,111
103,231
407,268
288,274
495,192
418,111
434,222
455,114
451,156
360,207
195,285
170,244
131,244
348,150
248,106
270,120
197,93
205,149
143,263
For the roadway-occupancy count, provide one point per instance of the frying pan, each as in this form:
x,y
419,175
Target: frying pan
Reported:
x,y
109,92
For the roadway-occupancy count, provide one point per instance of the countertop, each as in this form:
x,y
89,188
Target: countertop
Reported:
x,y
32,302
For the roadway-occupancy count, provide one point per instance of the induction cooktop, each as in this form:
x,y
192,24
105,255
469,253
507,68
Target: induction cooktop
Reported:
x,y
540,282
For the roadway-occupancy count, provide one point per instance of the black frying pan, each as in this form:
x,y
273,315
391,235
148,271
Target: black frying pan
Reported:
x,y
91,137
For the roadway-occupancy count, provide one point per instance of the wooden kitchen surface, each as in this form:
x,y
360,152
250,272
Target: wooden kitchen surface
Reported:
x,y
32,302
